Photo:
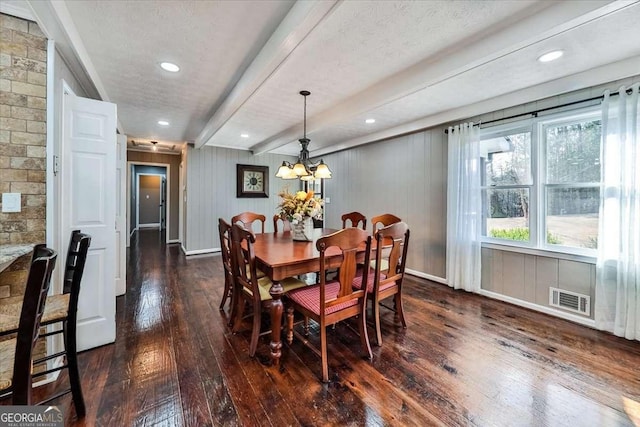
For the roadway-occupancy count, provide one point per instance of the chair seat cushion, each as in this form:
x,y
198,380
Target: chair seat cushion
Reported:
x,y
7,354
55,309
357,281
264,284
309,298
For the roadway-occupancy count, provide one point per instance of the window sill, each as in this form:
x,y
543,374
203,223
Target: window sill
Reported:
x,y
540,252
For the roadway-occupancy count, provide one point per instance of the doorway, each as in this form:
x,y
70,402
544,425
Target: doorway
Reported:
x,y
151,197
149,201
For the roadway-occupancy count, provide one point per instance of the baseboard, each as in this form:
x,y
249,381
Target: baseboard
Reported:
x,y
536,307
426,276
199,251
173,241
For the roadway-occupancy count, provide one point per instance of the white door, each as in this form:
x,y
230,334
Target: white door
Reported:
x,y
121,216
89,204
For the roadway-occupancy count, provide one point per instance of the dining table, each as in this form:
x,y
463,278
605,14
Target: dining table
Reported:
x,y
279,256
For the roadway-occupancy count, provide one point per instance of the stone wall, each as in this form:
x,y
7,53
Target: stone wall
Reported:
x,y
23,129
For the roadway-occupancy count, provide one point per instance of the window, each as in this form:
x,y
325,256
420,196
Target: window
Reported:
x,y
541,182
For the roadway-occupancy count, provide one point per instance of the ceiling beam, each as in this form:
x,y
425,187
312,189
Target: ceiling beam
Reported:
x,y
303,17
601,75
540,23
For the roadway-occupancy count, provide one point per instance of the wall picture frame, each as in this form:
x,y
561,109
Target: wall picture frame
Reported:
x,y
252,181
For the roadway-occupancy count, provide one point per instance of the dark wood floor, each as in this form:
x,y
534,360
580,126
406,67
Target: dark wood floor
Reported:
x,y
464,360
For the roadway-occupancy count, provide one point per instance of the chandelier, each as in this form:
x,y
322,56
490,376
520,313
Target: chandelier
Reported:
x,y
304,168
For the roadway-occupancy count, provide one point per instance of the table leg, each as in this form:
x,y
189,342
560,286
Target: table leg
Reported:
x,y
276,292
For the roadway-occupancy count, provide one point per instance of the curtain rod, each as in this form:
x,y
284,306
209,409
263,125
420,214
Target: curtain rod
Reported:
x,y
534,113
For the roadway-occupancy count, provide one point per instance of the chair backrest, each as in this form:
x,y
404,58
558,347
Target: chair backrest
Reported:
x,y
224,230
349,241
356,219
243,261
74,269
395,239
35,296
383,220
286,225
248,218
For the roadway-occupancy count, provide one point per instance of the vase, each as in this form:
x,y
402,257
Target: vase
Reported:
x,y
303,230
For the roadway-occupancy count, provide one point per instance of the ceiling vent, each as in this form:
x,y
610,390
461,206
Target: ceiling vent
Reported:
x,y
572,301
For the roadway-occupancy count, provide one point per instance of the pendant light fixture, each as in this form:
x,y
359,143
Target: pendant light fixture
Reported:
x,y
304,168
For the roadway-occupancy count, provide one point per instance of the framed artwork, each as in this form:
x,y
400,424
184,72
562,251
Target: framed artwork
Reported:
x,y
252,181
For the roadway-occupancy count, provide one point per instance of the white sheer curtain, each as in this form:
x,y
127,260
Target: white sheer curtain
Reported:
x,y
617,307
463,208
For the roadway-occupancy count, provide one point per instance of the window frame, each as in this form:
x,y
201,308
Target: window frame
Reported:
x,y
520,126
539,186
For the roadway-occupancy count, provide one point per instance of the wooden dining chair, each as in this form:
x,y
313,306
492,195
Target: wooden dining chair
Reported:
x,y
224,231
356,219
62,309
388,273
383,220
330,302
248,287
16,354
286,225
248,218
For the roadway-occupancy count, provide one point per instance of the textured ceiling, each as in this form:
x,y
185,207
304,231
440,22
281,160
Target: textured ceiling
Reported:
x,y
244,62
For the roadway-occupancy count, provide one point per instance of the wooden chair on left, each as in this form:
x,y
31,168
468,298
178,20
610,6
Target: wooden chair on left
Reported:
x,y
16,354
248,218
60,309
224,231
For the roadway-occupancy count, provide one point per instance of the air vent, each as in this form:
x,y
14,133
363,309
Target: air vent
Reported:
x,y
572,301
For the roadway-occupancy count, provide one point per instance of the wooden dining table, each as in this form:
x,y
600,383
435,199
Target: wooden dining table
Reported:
x,y
279,256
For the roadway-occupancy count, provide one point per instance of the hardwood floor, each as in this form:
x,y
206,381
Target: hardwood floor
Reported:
x,y
464,360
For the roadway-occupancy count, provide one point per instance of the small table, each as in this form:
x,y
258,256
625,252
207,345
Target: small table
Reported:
x,y
279,256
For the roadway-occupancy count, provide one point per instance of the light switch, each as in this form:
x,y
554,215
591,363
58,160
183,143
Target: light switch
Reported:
x,y
327,200
11,202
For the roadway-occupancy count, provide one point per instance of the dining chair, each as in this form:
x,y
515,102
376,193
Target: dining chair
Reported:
x,y
248,287
330,302
224,231
248,218
16,354
356,219
286,225
388,273
62,309
383,220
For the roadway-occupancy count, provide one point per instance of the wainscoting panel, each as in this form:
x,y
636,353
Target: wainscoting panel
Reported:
x,y
529,277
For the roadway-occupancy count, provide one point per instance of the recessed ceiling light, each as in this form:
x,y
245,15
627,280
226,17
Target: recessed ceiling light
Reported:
x,y
169,66
163,123
370,121
244,135
551,56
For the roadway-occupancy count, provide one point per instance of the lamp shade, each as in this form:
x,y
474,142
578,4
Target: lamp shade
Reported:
x,y
300,170
285,172
322,171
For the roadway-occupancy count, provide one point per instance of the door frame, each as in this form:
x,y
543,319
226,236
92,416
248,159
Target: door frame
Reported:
x,y
130,184
150,225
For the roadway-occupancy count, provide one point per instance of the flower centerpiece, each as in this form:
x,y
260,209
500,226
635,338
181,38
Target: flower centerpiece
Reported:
x,y
300,209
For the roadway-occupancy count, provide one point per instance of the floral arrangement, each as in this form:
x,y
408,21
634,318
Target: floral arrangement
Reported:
x,y
296,207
